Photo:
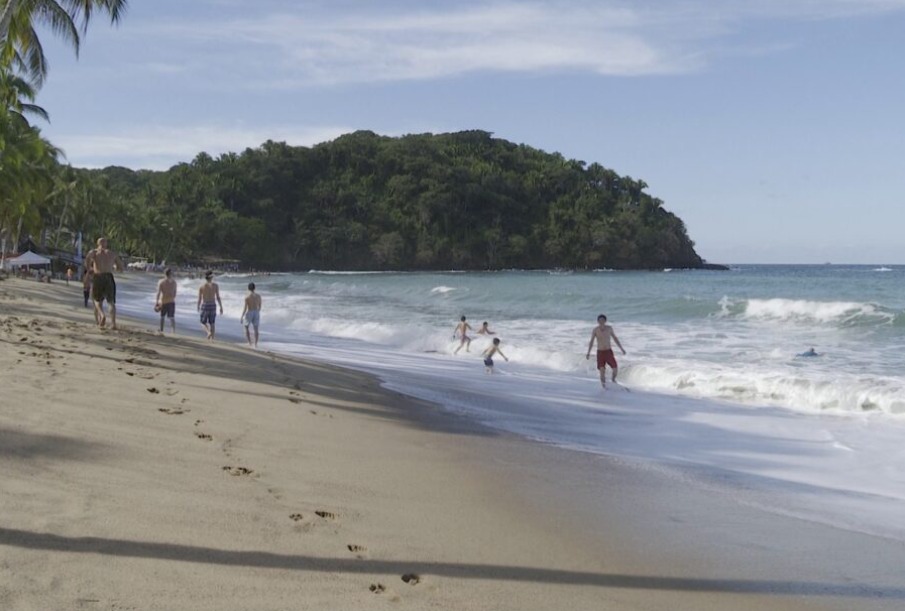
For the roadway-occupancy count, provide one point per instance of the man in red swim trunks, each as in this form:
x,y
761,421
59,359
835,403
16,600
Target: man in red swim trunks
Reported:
x,y
602,333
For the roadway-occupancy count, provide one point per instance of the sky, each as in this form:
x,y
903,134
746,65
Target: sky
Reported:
x,y
774,128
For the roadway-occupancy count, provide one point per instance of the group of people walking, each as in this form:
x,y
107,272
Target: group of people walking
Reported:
x,y
207,305
99,284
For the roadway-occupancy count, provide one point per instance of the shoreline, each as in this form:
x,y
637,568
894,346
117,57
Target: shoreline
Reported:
x,y
97,472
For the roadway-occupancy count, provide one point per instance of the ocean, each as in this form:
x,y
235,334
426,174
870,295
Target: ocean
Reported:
x,y
713,391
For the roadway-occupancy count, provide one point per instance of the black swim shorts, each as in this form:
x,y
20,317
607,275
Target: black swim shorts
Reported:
x,y
104,288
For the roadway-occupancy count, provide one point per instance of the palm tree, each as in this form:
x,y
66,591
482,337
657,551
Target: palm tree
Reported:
x,y
28,163
21,48
16,97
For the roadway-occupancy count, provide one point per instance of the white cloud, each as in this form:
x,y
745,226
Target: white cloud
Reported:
x,y
372,47
352,44
161,147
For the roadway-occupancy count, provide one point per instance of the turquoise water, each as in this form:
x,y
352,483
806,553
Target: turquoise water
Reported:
x,y
728,335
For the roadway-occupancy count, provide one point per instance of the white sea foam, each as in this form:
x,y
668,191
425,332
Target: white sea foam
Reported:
x,y
372,332
805,311
802,391
883,269
442,290
323,272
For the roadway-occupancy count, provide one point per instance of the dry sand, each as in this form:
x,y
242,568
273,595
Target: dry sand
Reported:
x,y
149,472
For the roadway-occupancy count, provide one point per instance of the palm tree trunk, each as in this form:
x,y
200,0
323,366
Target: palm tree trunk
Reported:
x,y
19,232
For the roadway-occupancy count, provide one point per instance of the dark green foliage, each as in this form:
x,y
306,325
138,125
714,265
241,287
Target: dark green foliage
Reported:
x,y
451,201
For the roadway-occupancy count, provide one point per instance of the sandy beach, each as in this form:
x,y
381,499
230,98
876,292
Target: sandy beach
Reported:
x,y
156,472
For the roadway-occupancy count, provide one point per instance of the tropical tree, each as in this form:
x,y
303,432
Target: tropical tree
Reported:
x,y
17,97
21,48
28,163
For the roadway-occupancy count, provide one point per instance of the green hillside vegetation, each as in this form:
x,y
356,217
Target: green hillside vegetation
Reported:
x,y
420,202
366,202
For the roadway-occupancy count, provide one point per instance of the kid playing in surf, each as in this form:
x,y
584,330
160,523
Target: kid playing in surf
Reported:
x,y
462,330
485,329
488,355
603,333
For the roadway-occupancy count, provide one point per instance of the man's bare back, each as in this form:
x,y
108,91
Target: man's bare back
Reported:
x,y
167,289
253,302
209,292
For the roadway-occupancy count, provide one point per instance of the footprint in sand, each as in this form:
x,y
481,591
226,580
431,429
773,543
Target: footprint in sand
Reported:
x,y
204,436
171,412
378,588
296,517
412,579
294,400
358,550
153,391
237,471
327,515
197,422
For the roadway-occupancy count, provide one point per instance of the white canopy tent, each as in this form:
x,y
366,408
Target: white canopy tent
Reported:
x,y
27,258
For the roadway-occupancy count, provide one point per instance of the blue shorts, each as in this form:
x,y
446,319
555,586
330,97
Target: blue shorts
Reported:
x,y
488,362
168,310
208,313
253,318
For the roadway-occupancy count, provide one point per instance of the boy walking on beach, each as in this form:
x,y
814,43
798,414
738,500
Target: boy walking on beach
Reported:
x,y
251,313
603,333
102,261
462,329
488,355
166,299
208,298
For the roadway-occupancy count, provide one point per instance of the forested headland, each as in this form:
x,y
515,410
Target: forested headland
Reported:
x,y
367,202
420,202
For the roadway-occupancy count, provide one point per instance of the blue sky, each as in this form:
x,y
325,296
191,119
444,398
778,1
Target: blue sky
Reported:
x,y
775,129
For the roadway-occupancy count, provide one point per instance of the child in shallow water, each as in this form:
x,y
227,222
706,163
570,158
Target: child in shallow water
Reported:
x,y
488,355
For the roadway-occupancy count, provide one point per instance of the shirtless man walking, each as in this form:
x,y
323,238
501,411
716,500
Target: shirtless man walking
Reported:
x,y
102,262
603,333
251,313
166,299
208,298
